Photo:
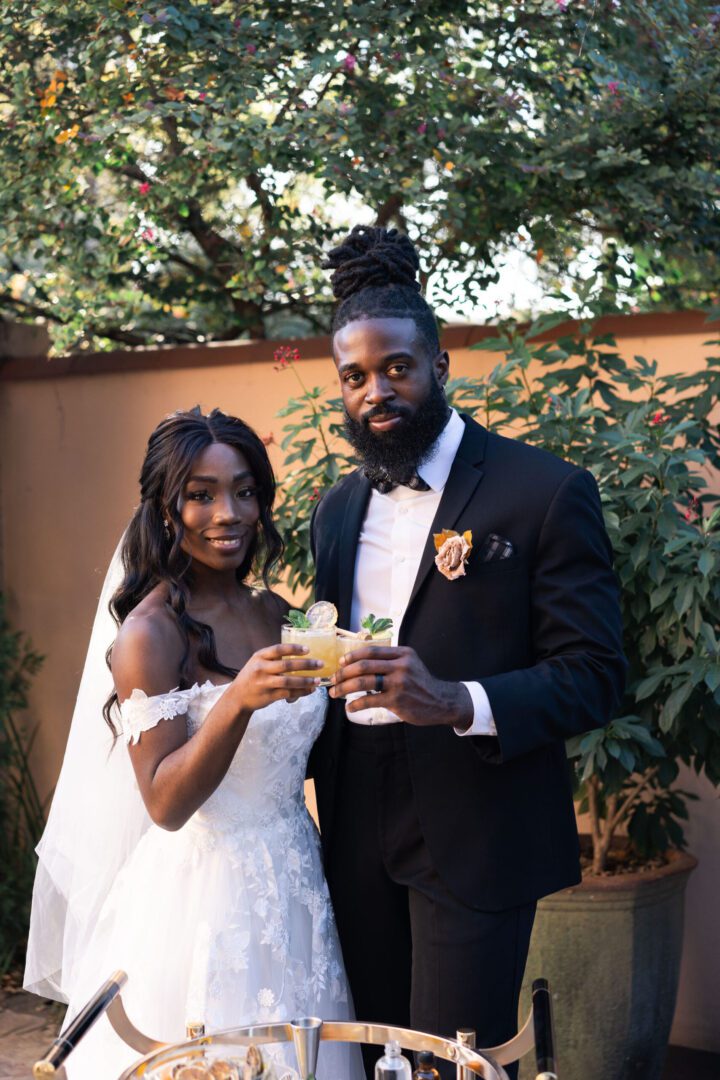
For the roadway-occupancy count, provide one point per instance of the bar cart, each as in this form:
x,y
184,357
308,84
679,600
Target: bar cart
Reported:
x,y
165,1060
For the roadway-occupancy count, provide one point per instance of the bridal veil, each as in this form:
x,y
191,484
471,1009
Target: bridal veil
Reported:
x,y
96,819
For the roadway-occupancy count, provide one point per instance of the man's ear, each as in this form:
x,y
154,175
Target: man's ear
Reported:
x,y
441,367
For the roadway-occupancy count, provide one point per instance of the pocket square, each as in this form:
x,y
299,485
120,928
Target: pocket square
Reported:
x,y
496,547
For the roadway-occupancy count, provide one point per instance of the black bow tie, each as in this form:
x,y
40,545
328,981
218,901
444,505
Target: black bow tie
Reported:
x,y
382,482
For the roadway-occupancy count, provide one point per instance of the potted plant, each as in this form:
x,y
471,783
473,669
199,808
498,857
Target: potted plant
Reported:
x,y
650,443
611,947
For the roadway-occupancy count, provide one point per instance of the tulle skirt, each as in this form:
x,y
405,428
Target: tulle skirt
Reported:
x,y
225,929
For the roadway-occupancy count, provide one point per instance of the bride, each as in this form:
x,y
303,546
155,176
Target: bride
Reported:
x,y
197,870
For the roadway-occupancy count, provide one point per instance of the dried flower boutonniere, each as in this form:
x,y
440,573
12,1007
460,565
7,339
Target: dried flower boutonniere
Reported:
x,y
453,551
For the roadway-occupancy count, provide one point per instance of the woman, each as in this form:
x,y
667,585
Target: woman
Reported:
x,y
207,887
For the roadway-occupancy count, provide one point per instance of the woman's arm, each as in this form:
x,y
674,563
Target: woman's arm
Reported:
x,y
176,774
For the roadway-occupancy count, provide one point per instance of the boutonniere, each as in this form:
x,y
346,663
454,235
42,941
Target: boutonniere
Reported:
x,y
453,551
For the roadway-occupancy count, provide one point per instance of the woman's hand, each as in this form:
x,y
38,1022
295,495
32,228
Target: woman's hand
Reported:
x,y
176,774
272,673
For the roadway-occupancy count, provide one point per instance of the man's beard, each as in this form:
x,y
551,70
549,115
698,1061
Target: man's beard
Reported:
x,y
397,454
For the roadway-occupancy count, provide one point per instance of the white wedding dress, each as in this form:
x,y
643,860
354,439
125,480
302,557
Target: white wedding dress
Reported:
x,y
228,920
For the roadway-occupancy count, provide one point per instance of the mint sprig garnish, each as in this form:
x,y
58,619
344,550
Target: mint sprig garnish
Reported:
x,y
298,619
376,627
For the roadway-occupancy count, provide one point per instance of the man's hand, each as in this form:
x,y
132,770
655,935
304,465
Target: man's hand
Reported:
x,y
408,688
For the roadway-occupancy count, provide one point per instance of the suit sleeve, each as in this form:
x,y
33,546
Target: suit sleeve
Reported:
x,y
578,676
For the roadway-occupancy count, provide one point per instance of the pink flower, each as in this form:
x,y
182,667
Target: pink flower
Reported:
x,y
452,556
693,510
148,234
659,417
613,87
252,49
202,96
284,356
422,128
268,440
350,63
144,187
315,495
562,4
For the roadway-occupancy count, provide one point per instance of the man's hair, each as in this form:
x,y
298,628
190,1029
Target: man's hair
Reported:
x,y
375,277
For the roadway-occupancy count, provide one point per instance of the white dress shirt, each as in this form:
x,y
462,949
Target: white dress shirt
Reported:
x,y
390,546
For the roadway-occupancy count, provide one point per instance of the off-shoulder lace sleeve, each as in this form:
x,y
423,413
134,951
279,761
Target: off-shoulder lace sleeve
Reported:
x,y
139,712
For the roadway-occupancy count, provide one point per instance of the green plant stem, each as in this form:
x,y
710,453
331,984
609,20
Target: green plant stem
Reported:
x,y
313,406
526,383
602,834
622,814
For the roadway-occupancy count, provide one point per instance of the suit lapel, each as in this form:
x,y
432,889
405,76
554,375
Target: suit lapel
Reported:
x,y
465,475
352,520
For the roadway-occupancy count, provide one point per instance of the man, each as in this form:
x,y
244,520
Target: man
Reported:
x,y
443,788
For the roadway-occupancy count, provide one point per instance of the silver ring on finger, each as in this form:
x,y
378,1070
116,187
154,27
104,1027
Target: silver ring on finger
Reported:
x,y
379,684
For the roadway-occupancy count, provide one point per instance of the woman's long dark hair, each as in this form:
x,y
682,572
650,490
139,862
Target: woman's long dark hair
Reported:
x,y
152,553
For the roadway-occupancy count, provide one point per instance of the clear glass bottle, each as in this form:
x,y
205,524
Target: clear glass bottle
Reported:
x,y
425,1069
393,1065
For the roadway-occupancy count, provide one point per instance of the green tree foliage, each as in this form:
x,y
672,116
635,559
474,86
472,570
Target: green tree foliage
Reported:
x,y
172,171
651,442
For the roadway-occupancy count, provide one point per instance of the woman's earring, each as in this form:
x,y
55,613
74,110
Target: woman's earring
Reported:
x,y
166,526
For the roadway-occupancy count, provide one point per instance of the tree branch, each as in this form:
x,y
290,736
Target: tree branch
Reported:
x,y
295,96
198,271
594,814
31,309
623,811
389,209
266,207
125,337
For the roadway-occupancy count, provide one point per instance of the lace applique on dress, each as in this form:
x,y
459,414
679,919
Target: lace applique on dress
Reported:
x,y
227,919
139,712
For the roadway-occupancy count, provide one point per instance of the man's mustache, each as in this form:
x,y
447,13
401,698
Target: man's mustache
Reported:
x,y
384,412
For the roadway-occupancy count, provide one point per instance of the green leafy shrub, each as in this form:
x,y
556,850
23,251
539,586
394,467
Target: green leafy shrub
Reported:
x,y
651,443
21,812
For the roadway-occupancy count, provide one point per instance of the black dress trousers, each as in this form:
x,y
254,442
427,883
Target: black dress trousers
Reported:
x,y
415,954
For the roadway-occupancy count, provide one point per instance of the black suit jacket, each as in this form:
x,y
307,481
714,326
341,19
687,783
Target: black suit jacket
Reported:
x,y
540,630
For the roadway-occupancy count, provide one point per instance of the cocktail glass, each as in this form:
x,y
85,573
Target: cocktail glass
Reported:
x,y
322,645
349,644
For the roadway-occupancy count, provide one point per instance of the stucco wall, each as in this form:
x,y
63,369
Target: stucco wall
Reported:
x,y
72,437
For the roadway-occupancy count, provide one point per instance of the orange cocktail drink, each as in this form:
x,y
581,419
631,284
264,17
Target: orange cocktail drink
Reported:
x,y
322,645
347,643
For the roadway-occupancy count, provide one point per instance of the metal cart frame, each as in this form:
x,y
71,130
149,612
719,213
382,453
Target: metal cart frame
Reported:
x,y
306,1034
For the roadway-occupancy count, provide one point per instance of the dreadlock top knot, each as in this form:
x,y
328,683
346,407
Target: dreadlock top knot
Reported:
x,y
372,257
376,278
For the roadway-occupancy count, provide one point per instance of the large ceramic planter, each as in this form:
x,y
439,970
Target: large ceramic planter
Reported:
x,y
610,949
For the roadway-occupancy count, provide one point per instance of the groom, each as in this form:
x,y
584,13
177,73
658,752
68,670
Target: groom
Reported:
x,y
443,789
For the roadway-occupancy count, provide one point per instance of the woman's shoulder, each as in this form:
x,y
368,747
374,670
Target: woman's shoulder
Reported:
x,y
149,648
271,604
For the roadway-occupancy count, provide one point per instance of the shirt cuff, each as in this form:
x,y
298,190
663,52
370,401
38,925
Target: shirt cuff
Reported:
x,y
483,723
